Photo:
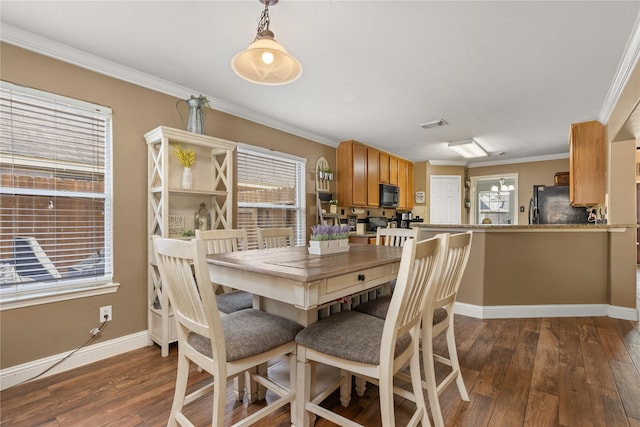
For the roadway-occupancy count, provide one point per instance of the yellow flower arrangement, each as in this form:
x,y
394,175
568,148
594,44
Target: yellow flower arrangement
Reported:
x,y
186,157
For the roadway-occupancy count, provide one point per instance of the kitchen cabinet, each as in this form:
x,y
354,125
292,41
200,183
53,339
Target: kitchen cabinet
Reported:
x,y
172,207
393,170
361,170
357,174
383,167
587,163
373,177
405,183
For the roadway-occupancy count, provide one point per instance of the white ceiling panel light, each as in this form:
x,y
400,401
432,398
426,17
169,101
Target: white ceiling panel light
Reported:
x,y
434,124
468,148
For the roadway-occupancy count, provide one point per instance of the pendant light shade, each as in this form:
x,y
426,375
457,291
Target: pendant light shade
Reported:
x,y
266,61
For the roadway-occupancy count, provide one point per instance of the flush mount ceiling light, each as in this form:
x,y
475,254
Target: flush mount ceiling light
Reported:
x,y
468,148
265,61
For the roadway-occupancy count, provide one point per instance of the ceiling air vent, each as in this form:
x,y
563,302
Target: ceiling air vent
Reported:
x,y
434,124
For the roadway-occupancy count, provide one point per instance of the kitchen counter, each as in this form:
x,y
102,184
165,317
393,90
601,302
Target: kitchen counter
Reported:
x,y
526,227
553,270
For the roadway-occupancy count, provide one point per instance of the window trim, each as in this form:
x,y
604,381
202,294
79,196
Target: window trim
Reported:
x,y
85,286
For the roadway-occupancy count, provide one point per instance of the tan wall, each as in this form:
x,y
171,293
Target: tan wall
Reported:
x,y
529,174
36,332
622,193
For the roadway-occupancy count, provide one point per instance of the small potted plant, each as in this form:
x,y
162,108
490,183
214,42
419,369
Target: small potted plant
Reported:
x,y
333,206
327,239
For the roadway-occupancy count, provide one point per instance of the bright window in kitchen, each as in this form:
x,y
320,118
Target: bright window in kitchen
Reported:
x,y
55,198
494,199
271,192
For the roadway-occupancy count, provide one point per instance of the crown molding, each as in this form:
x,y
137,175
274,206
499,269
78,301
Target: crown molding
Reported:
x,y
35,43
629,59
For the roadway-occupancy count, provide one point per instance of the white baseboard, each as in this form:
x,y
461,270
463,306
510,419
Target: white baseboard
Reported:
x,y
625,313
551,310
20,373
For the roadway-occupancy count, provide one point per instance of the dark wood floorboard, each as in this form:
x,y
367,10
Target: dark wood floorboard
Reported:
x,y
519,372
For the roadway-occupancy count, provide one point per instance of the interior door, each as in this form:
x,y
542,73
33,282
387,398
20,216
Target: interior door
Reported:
x,y
444,199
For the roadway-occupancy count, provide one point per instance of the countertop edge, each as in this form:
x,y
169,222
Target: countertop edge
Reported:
x,y
612,228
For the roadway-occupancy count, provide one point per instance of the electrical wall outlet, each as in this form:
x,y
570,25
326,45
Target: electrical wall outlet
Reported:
x,y
105,311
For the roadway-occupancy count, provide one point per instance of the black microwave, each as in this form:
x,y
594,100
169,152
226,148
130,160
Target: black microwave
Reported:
x,y
389,196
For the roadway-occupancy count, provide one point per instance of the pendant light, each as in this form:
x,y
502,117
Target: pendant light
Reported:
x,y
265,61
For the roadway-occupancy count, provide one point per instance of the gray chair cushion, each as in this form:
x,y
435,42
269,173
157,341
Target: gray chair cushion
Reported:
x,y
349,335
378,307
234,301
249,332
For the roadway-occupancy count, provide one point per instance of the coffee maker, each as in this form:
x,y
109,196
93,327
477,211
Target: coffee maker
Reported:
x,y
405,219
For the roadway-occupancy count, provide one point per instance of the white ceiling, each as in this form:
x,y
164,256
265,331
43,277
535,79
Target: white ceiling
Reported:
x,y
511,74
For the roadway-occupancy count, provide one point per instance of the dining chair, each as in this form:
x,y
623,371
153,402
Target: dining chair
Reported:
x,y
275,237
230,300
377,355
438,318
221,241
223,346
394,236
385,236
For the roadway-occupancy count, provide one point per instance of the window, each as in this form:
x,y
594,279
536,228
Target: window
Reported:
x,y
55,197
271,192
495,199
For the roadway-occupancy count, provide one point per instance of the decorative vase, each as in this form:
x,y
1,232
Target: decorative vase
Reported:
x,y
333,209
187,178
195,118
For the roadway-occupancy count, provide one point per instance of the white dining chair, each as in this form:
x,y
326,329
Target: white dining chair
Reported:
x,y
279,237
377,355
224,346
394,236
438,318
221,241
230,300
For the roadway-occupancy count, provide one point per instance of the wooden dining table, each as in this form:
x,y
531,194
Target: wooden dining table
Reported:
x,y
292,283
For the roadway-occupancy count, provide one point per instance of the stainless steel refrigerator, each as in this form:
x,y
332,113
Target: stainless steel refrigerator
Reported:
x,y
550,205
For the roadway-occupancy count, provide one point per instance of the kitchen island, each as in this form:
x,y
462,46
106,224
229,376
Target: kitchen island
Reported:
x,y
546,270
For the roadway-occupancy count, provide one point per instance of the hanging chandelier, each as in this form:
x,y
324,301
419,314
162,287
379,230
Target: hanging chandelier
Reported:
x,y
266,61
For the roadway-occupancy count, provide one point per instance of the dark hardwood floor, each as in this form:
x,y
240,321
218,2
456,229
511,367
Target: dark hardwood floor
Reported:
x,y
519,372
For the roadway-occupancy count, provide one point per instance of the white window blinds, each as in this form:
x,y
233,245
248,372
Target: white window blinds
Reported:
x,y
271,192
55,193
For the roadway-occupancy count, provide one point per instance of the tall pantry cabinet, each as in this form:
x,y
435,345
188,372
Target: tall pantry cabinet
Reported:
x,y
172,209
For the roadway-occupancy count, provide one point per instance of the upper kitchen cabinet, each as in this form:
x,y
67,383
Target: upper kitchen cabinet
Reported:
x,y
383,167
357,179
587,149
405,183
361,170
